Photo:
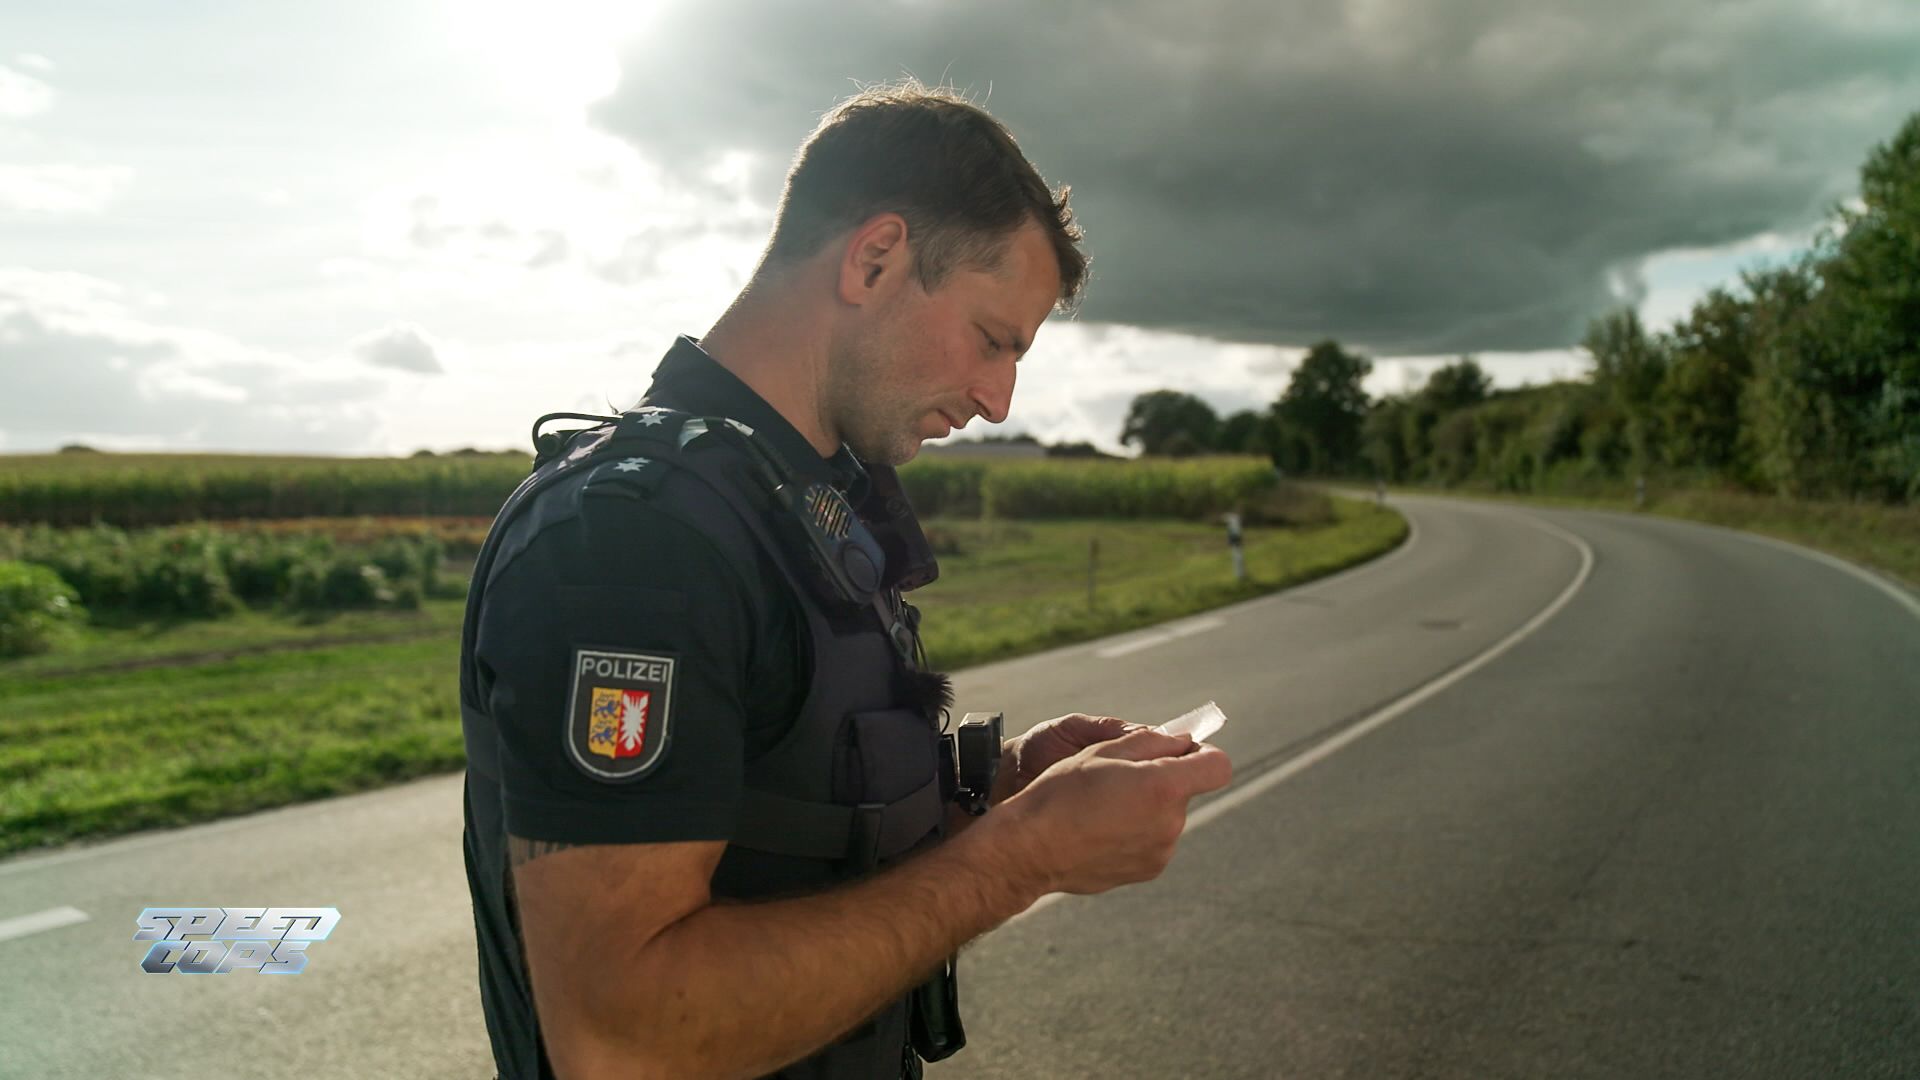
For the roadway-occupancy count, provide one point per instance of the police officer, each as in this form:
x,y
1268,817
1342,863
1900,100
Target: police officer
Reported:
x,y
712,824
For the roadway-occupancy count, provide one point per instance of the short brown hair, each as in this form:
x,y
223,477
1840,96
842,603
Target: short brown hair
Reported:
x,y
940,162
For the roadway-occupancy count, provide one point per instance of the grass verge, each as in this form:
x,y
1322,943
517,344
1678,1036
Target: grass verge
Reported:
x,y
1886,538
144,725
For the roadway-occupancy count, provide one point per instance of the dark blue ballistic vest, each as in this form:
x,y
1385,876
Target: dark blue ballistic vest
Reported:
x,y
857,782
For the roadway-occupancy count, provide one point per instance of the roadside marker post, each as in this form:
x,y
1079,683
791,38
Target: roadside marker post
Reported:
x,y
1235,541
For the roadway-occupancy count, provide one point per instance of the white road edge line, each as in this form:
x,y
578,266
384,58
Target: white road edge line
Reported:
x,y
1900,596
1196,626
1240,794
1161,636
51,919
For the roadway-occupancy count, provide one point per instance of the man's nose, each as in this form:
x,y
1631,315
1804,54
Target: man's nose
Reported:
x,y
993,397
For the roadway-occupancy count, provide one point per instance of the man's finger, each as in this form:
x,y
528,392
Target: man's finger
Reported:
x,y
1144,744
1207,768
1093,729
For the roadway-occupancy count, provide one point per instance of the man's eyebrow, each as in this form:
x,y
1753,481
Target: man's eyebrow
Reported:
x,y
1019,345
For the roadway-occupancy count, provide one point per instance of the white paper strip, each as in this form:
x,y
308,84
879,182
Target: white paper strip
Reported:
x,y
1200,723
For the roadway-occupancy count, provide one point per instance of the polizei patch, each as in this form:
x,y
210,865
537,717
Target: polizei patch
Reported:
x,y
619,713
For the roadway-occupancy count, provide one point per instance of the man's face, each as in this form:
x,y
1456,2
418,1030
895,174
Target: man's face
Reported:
x,y
932,361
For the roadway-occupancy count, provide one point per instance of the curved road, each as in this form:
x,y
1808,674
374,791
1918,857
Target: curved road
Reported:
x,y
1540,794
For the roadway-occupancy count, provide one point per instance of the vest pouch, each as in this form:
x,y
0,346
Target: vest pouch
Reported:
x,y
933,1014
887,763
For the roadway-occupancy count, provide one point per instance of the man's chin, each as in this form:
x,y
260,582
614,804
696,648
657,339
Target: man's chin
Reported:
x,y
900,455
892,454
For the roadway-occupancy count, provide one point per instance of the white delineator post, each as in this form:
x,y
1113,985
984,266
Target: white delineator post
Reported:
x,y
1234,542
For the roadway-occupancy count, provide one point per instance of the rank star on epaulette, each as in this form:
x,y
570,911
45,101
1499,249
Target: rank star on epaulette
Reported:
x,y
632,464
588,447
619,712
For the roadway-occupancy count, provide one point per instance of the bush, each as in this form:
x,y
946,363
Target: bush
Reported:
x,y
201,571
37,609
342,583
182,575
1290,505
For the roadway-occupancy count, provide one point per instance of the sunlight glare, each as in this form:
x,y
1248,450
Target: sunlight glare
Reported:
x,y
557,54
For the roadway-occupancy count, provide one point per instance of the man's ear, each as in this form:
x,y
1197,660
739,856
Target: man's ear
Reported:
x,y
876,258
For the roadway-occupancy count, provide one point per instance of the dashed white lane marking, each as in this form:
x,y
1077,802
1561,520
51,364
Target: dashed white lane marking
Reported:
x,y
1240,794
1161,635
51,919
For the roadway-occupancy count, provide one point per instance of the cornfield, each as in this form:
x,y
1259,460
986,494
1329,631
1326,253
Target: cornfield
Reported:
x,y
139,490
147,490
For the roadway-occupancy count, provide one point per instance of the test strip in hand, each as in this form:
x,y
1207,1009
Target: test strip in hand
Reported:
x,y
1200,723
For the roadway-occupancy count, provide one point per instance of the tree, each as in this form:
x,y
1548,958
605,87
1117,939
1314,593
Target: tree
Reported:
x,y
1168,422
1869,309
1079,450
1320,414
1786,422
1244,432
1629,365
1383,441
1457,386
1700,400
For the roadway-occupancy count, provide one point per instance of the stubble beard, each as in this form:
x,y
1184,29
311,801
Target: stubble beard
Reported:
x,y
864,400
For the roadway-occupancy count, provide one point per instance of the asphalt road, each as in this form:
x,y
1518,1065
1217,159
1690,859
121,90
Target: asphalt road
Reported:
x,y
1541,794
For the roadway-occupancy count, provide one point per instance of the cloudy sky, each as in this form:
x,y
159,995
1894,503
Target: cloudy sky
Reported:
x,y
368,227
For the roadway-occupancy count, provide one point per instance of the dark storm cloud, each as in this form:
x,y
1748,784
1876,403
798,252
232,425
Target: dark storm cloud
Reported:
x,y
1409,176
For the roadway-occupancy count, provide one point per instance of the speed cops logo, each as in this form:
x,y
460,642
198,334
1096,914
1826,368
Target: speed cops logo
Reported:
x,y
619,712
219,941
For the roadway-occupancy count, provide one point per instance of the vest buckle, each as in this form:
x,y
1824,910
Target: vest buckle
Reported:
x,y
863,847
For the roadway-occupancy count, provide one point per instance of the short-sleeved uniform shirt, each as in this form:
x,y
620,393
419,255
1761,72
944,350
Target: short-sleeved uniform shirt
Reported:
x,y
626,576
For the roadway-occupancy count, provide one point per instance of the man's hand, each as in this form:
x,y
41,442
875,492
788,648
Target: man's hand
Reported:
x,y
1025,757
1108,815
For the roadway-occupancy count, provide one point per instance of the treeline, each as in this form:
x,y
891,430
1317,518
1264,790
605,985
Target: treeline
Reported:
x,y
1802,380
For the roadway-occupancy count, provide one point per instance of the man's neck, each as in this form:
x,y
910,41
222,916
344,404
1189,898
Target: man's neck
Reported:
x,y
769,344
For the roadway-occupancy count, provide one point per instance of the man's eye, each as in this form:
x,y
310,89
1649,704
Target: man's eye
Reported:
x,y
992,344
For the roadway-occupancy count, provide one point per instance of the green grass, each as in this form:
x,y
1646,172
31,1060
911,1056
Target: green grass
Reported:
x,y
1886,538
118,642
91,746
1027,589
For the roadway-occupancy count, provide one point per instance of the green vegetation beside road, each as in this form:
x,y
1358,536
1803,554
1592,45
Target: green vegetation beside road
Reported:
x,y
1023,587
155,722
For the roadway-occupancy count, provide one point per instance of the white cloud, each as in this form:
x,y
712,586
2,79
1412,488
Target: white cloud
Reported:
x,y
34,61
22,94
61,189
79,363
403,348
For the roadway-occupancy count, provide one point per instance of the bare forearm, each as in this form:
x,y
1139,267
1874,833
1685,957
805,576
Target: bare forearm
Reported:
x,y
742,989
